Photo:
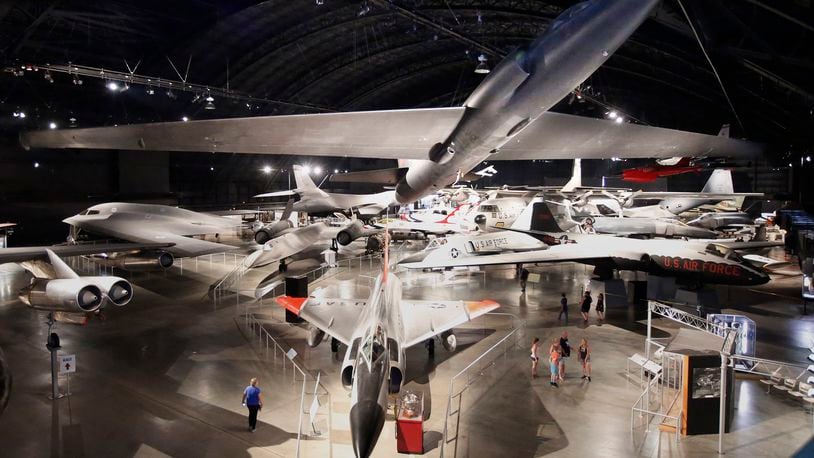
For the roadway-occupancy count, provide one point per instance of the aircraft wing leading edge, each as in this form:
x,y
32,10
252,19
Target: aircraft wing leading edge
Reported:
x,y
336,317
425,319
393,134
21,254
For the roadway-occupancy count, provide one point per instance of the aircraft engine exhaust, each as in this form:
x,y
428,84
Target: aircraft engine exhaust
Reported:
x,y
117,290
355,230
63,295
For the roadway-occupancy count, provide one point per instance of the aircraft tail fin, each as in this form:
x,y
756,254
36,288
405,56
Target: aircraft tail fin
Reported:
x,y
724,132
61,270
537,216
289,208
720,182
576,177
305,185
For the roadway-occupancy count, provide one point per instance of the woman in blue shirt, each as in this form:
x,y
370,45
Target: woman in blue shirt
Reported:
x,y
254,401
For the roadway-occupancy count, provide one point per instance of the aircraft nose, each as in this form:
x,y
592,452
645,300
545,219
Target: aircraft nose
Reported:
x,y
415,257
480,219
366,423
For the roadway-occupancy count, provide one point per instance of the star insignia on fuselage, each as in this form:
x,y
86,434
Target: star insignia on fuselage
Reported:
x,y
453,252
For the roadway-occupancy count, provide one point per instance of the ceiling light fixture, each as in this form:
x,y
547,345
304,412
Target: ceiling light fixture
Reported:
x,y
113,86
209,103
482,68
612,114
184,118
52,125
267,169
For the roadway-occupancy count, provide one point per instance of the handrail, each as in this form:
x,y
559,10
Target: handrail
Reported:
x,y
513,332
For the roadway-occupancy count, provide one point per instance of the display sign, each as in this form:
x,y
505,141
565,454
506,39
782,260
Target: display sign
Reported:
x,y
291,354
706,382
808,287
67,364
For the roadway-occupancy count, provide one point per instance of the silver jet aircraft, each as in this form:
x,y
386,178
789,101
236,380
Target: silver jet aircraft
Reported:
x,y
376,332
505,118
315,200
147,223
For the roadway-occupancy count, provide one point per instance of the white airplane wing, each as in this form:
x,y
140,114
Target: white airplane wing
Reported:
x,y
642,195
337,317
452,257
424,319
392,134
34,253
563,136
389,134
178,245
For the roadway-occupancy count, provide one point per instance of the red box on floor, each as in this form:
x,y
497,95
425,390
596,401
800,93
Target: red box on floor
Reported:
x,y
410,424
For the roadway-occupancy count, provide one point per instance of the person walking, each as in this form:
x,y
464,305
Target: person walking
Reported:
x,y
565,352
535,356
524,277
554,362
585,358
600,306
586,305
563,309
253,401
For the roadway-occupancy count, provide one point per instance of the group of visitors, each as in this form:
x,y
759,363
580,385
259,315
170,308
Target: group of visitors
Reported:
x,y
558,351
585,307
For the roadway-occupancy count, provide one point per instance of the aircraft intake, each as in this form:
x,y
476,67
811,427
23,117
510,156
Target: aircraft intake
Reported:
x,y
315,336
117,290
353,232
76,295
449,340
347,376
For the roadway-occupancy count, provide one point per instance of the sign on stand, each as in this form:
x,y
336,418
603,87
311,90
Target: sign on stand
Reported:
x,y
67,364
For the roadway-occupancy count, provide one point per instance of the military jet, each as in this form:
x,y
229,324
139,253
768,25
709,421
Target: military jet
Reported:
x,y
506,117
315,200
377,331
696,262
152,224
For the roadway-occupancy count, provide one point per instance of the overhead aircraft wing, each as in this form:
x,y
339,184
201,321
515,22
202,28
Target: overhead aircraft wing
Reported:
x,y
586,253
178,245
337,317
746,245
642,195
290,192
33,253
562,136
388,134
425,319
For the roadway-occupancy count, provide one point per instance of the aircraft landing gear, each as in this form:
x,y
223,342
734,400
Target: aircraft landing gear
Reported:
x,y
430,344
334,345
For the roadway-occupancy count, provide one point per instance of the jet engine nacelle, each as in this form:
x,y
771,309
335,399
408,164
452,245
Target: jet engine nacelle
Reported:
x,y
117,290
449,340
76,295
266,233
138,261
396,378
315,336
347,375
353,232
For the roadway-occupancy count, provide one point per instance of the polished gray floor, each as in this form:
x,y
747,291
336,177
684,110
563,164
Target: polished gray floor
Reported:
x,y
163,376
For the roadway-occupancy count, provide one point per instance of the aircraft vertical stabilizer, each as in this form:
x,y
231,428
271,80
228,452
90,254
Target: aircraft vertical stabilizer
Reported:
x,y
576,177
305,185
720,182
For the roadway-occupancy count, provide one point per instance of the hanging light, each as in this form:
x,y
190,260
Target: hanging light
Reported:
x,y
267,169
209,103
618,120
52,125
113,86
317,170
184,118
150,90
76,80
612,114
48,77
482,68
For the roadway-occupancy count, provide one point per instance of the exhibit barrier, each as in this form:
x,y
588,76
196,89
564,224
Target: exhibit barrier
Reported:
x,y
472,373
274,352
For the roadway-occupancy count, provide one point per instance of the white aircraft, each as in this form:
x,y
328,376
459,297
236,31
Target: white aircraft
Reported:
x,y
699,262
315,200
496,213
147,223
377,331
505,118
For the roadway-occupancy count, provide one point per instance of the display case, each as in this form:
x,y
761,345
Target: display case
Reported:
x,y
410,423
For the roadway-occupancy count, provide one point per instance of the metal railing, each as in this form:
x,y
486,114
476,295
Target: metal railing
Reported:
x,y
646,412
474,370
267,342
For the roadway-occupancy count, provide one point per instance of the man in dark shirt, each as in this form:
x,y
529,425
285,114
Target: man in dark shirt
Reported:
x,y
524,277
563,308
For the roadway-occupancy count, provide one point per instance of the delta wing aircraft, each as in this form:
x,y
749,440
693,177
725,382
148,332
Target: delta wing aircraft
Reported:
x,y
377,331
696,262
505,118
315,200
57,289
147,223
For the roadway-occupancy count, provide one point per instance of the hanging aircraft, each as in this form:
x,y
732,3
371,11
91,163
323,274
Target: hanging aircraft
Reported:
x,y
314,200
57,289
651,173
147,223
505,118
695,262
722,220
496,212
377,331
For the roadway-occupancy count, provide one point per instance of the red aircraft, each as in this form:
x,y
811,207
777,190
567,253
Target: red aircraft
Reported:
x,y
665,168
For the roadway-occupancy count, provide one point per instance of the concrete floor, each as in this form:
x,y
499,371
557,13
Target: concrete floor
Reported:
x,y
163,376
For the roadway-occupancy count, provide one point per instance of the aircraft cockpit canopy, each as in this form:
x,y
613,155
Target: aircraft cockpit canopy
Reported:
x,y
723,252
